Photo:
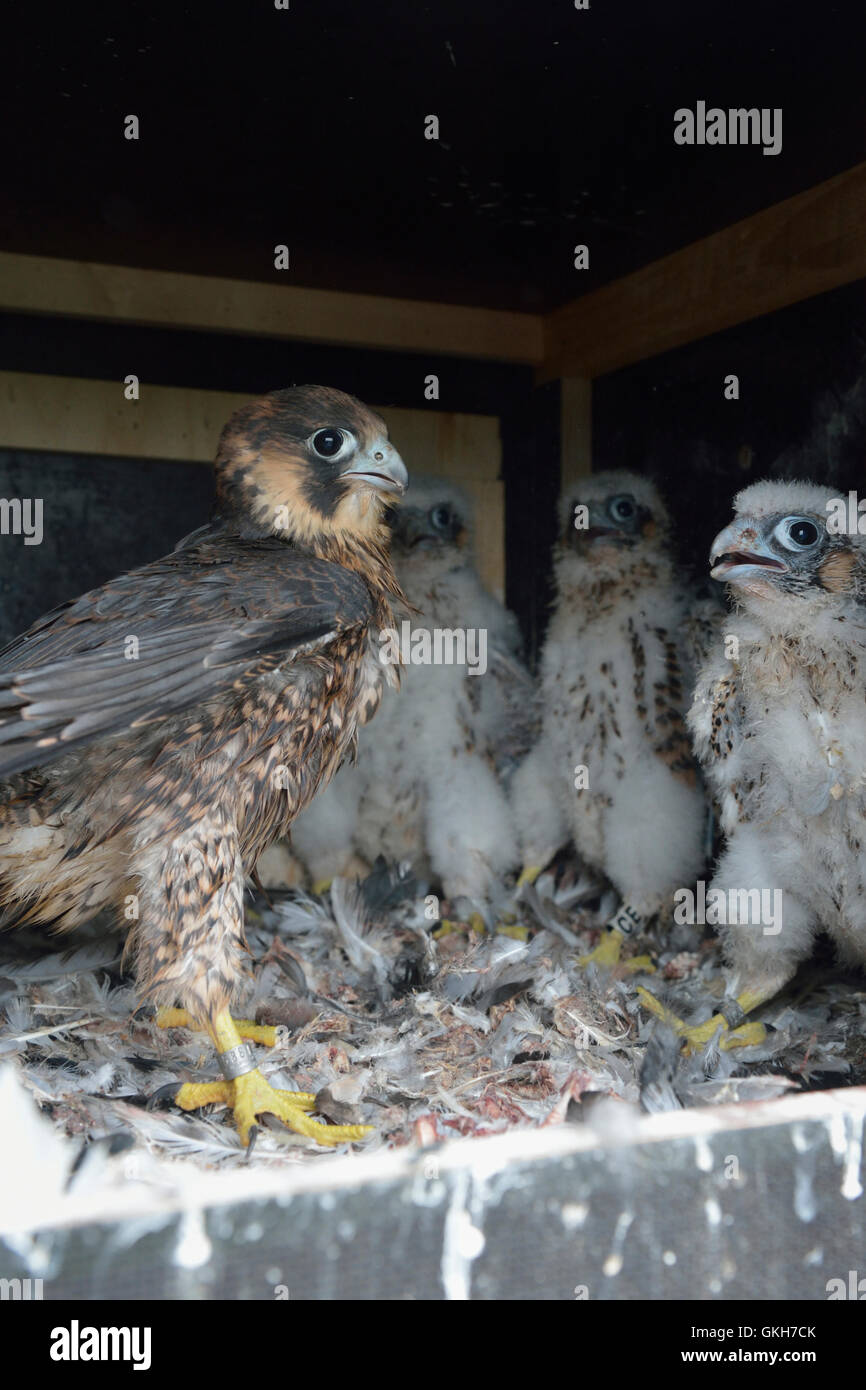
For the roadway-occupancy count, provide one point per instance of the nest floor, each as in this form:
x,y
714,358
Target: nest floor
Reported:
x,y
423,1032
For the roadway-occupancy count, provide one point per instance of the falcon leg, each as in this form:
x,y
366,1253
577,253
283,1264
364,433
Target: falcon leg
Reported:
x,y
696,1036
539,820
250,1095
349,866
473,921
194,952
514,930
607,953
764,954
528,874
323,836
262,1033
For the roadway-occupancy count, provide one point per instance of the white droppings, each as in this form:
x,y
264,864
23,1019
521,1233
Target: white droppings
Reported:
x,y
846,1140
703,1154
574,1215
836,1131
35,1250
801,1138
470,1239
804,1195
669,1258
613,1263
815,1256
193,1247
462,1243
427,1192
713,1212
852,1188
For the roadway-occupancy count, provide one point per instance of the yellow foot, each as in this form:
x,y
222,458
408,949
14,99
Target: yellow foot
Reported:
x,y
607,955
475,922
529,874
512,929
643,965
445,928
251,1095
262,1033
696,1036
321,886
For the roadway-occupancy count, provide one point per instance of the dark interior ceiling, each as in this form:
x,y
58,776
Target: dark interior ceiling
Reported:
x,y
261,126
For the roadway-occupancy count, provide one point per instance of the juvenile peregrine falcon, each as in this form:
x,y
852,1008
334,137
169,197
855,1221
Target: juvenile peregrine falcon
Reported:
x,y
158,733
613,769
779,722
427,786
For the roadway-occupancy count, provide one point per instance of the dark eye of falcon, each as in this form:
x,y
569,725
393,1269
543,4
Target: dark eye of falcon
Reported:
x,y
797,533
621,508
440,517
327,443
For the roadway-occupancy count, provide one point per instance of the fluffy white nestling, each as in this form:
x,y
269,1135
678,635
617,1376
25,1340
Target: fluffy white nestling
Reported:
x,y
428,783
613,769
779,721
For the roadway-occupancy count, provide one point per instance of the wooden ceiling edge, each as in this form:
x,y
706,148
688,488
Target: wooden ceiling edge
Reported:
x,y
174,299
90,415
791,251
794,250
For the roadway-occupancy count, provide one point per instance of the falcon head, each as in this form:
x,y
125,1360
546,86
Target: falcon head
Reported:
x,y
611,523
431,531
778,549
307,464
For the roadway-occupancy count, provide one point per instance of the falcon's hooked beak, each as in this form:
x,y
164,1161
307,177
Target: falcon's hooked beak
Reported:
x,y
610,534
381,467
739,551
413,530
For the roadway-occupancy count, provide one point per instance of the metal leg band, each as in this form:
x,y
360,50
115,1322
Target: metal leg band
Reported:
x,y
237,1061
627,921
732,1013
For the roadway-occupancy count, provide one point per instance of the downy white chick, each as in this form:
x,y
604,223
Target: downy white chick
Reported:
x,y
779,722
427,786
613,769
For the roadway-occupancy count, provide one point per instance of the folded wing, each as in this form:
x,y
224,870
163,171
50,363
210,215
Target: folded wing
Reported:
x,y
184,630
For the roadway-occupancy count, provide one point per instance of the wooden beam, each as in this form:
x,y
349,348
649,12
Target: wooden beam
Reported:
x,y
59,414
75,415
575,429
38,285
801,247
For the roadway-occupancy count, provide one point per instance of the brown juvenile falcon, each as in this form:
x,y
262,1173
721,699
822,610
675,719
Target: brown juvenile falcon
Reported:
x,y
158,733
